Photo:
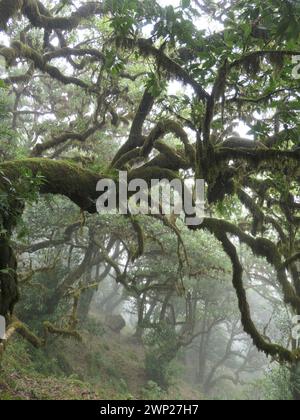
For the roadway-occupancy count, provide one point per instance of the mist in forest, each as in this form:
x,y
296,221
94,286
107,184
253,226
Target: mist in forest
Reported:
x,y
149,202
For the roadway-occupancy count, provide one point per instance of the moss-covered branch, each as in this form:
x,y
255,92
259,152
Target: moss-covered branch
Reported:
x,y
61,178
16,326
40,17
49,328
174,69
20,50
77,52
136,138
276,351
64,137
162,129
257,213
273,157
260,247
292,259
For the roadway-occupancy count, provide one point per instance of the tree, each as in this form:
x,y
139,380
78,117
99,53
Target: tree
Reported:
x,y
242,73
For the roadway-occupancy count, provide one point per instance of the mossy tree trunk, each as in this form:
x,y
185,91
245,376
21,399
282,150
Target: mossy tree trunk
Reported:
x,y
295,381
8,278
9,293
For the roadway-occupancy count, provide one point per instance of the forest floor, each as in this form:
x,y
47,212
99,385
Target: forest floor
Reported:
x,y
104,366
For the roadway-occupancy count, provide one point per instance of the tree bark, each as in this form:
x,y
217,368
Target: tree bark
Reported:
x,y
9,295
295,381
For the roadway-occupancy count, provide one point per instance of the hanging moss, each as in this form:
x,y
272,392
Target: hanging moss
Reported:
x,y
20,50
40,17
252,64
9,55
140,238
220,185
146,49
8,9
60,177
220,83
218,228
277,59
257,213
261,247
23,50
262,158
63,178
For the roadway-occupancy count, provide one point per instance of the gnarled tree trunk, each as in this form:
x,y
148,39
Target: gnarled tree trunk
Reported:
x,y
9,294
295,381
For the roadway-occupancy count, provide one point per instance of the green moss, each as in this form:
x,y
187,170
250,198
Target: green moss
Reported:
x,y
8,9
60,177
140,238
9,293
40,17
66,333
29,53
9,55
63,178
261,247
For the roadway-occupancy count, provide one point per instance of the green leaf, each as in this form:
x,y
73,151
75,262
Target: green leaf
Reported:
x,y
185,3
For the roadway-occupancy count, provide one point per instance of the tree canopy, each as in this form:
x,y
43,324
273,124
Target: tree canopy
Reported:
x,y
92,88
